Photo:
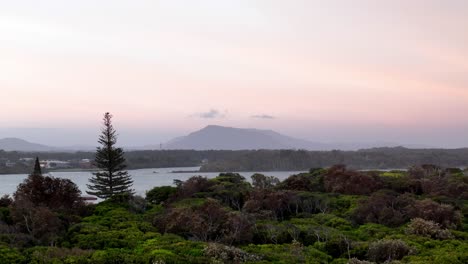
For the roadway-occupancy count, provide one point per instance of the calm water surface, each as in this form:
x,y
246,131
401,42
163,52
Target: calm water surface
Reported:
x,y
143,179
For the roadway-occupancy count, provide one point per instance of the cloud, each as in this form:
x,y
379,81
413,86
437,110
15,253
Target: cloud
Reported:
x,y
212,113
263,116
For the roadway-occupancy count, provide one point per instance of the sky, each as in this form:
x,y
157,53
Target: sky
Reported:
x,y
329,71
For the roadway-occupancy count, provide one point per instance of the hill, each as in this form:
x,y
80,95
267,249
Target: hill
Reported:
x,y
230,138
17,144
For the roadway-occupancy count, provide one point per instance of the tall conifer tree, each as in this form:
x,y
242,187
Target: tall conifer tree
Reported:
x,y
37,167
111,179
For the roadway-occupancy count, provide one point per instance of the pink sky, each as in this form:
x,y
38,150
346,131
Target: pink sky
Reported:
x,y
323,70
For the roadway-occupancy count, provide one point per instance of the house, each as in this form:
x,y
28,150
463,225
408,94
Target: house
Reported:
x,y
3,161
10,164
55,164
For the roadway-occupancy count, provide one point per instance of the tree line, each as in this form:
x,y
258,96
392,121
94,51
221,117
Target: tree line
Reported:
x,y
264,160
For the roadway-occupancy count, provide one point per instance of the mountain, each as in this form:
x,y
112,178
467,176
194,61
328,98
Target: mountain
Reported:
x,y
17,144
229,138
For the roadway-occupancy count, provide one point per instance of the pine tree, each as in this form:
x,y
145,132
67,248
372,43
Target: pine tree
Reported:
x,y
37,167
112,179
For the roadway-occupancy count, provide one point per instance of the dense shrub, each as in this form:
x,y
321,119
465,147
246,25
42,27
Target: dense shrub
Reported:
x,y
10,255
443,214
159,195
296,221
435,181
192,186
5,201
357,261
426,228
388,250
276,204
384,207
58,255
288,253
231,189
137,204
56,194
219,253
117,256
339,179
261,181
171,248
39,222
209,221
311,182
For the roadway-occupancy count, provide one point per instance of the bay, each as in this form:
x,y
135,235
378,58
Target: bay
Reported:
x,y
143,179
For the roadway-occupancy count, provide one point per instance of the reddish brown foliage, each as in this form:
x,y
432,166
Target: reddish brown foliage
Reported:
x,y
340,180
443,214
208,222
53,193
192,186
37,221
389,208
386,208
278,204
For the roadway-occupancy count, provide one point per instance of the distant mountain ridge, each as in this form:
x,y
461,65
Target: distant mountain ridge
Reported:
x,y
229,138
215,137
17,144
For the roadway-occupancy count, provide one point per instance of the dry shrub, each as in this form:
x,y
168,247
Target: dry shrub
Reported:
x,y
387,250
421,227
225,254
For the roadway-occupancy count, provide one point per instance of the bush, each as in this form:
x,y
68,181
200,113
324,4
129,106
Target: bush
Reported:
x,y
193,185
159,195
426,228
288,253
339,179
58,255
261,181
388,250
209,221
304,182
357,261
10,255
226,254
280,204
54,193
384,207
5,201
118,256
170,248
137,204
444,214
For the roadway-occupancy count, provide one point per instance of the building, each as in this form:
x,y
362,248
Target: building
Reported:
x,y
55,164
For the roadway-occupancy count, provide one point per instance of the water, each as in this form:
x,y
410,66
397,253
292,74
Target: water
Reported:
x,y
143,179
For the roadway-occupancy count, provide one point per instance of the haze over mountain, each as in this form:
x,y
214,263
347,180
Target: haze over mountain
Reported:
x,y
230,138
17,144
213,137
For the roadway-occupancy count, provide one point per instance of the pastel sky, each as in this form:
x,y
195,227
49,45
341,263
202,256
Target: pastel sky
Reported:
x,y
394,71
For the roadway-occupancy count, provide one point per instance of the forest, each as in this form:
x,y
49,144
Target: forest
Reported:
x,y
328,215
259,160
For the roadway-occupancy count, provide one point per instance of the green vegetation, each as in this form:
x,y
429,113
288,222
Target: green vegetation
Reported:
x,y
333,215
